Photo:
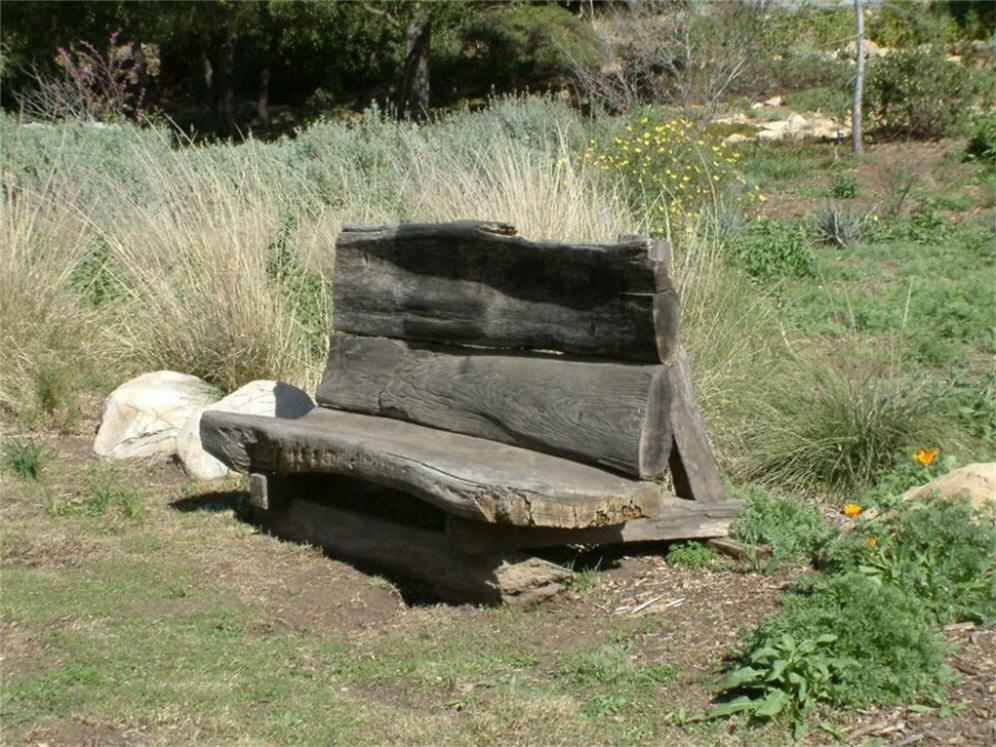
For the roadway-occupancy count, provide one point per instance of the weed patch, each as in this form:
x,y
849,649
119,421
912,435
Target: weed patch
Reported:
x,y
25,458
792,529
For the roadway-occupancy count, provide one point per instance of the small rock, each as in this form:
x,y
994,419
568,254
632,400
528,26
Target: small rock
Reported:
x,y
264,397
737,137
143,416
773,101
977,480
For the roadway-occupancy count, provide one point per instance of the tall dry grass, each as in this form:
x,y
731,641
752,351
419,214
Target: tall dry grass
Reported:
x,y
124,252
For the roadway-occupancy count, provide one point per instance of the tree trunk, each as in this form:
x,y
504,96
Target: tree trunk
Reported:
x,y
414,103
859,79
263,98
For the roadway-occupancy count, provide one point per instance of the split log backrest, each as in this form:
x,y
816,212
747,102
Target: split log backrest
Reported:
x,y
470,328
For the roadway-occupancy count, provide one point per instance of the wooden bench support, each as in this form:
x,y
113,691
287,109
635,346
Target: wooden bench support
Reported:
x,y
429,557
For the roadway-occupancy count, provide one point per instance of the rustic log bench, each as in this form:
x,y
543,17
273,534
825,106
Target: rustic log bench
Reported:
x,y
486,393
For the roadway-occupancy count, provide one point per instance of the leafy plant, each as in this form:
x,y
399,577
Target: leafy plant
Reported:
x,y
784,678
850,641
769,250
843,185
690,554
981,145
908,472
941,552
25,458
792,529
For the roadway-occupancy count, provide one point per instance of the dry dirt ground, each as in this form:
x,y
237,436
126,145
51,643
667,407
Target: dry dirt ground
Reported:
x,y
682,617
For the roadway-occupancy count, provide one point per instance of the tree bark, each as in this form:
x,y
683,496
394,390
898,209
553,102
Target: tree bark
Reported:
x,y
414,103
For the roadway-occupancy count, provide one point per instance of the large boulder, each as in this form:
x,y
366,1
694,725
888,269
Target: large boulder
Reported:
x,y
268,398
977,481
143,416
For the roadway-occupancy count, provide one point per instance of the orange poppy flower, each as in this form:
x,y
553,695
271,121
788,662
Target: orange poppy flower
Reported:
x,y
924,456
871,541
851,510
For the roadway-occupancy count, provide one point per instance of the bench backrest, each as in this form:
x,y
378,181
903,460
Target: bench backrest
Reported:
x,y
470,328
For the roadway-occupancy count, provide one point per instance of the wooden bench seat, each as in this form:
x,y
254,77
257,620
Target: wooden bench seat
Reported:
x,y
466,476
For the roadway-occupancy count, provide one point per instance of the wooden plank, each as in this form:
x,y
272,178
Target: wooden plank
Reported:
x,y
693,465
424,555
477,283
611,414
468,476
738,550
679,519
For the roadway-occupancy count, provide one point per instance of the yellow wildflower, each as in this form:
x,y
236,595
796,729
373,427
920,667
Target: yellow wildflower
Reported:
x,y
851,510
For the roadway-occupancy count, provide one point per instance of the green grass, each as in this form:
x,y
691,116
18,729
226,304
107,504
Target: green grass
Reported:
x,y
25,458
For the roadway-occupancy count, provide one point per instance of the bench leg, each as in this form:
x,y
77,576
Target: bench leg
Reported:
x,y
427,556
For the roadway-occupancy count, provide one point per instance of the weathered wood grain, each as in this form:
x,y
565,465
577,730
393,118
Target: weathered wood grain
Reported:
x,y
678,519
464,475
428,556
615,415
477,283
693,465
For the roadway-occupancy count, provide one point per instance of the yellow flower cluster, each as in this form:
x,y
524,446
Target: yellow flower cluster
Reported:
x,y
671,167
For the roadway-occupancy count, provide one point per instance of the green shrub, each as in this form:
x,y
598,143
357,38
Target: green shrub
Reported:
x,y
918,94
843,185
940,552
792,529
870,644
830,100
982,143
25,459
690,554
769,250
670,171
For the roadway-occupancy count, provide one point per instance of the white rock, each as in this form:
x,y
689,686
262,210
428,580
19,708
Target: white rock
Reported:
x,y
143,416
264,397
978,481
773,101
737,137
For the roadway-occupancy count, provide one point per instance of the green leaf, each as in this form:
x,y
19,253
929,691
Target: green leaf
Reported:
x,y
777,669
766,652
799,730
739,676
773,704
739,705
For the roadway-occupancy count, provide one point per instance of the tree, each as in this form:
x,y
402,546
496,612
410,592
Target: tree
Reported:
x,y
677,51
859,79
